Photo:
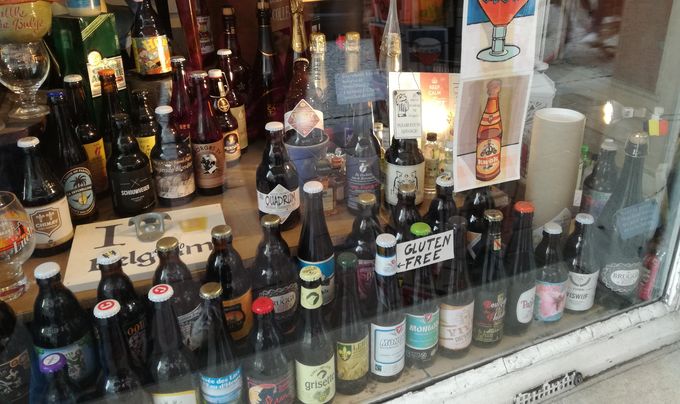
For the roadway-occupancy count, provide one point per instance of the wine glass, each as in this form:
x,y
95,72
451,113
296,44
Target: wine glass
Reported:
x,y
23,68
17,241
500,14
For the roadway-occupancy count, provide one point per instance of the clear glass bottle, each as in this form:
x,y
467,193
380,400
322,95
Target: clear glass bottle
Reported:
x,y
431,154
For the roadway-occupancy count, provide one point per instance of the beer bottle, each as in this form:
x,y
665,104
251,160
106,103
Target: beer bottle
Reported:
x,y
207,141
351,342
111,105
315,355
144,124
277,182
269,374
477,201
237,100
598,186
457,297
120,380
150,48
404,213
551,276
16,356
172,164
303,119
205,38
171,362
60,325
45,202
431,154
86,130
405,164
298,35
115,284
60,389
226,268
228,125
172,271
491,294
180,100
275,274
129,171
490,136
220,371
315,246
388,328
584,270
422,317
443,206
360,115
71,162
521,267
239,71
317,80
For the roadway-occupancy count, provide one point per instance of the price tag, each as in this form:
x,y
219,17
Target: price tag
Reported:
x,y
424,251
406,113
637,219
358,87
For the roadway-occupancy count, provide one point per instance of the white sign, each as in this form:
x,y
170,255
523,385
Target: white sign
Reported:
x,y
190,226
406,114
424,251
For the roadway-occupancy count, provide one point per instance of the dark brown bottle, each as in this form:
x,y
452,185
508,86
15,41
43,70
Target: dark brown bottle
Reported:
x,y
59,387
150,49
404,213
239,71
144,125
303,119
111,105
227,123
237,100
581,257
205,38
180,100
476,202
443,206
363,167
17,356
552,275
405,164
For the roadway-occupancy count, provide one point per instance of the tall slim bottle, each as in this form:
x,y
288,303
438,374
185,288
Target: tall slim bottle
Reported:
x,y
598,186
477,201
318,81
180,100
303,119
359,115
239,71
236,98
405,164
298,35
551,277
150,49
145,127
579,252
111,105
389,59
205,38
490,136
227,123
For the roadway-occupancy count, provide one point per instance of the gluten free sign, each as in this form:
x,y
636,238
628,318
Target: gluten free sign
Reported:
x,y
424,251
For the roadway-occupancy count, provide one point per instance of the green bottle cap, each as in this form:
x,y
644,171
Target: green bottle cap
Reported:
x,y
420,229
348,260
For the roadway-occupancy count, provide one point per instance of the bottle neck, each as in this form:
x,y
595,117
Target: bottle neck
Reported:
x,y
317,71
37,174
124,141
265,32
167,337
277,154
266,337
110,96
298,41
314,207
310,302
492,239
231,36
114,349
65,139
75,97
605,164
351,61
630,180
272,234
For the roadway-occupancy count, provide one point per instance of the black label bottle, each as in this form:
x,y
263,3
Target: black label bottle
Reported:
x,y
277,181
579,253
404,213
551,276
476,202
227,122
179,100
303,120
45,202
236,98
144,125
59,389
315,354
405,164
150,48
16,357
598,186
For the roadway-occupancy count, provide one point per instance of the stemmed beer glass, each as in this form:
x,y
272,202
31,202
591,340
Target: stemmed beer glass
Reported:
x,y
23,68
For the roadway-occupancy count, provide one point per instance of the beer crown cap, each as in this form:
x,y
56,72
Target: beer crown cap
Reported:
x,y
367,199
263,305
609,145
28,141
348,259
407,188
313,187
46,270
52,363
106,309
163,110
524,207
273,126
386,240
270,221
636,146
585,218
73,78
310,273
167,244
106,72
493,215
221,231
301,60
444,180
199,74
210,290
552,228
160,293
108,257
215,73
224,52
457,223
420,229
227,10
431,137
176,59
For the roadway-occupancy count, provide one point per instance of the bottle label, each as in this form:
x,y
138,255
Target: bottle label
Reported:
x,y
431,172
278,390
186,324
225,389
366,279
136,336
455,326
581,291
352,359
240,115
388,347
310,298
550,300
422,330
488,157
285,301
315,384
303,118
363,175
52,224
81,357
489,315
95,63
146,143
593,201
524,311
151,54
621,277
280,201
385,266
474,244
174,178
209,164
327,268
15,376
204,34
239,315
180,397
96,162
77,184
232,149
397,175
132,191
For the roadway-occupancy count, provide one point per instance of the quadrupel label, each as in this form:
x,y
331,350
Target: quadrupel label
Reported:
x,y
280,201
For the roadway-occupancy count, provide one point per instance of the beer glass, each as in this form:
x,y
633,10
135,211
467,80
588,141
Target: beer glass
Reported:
x,y
17,241
500,14
23,68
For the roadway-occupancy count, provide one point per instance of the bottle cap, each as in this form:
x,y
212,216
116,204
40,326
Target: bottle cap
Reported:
x,y
52,363
167,244
552,228
493,215
301,60
270,221
585,218
28,141
227,10
73,78
609,145
210,290
431,137
198,74
367,199
444,180
46,270
263,305
221,231
457,223
310,273
420,229
106,73
163,110
160,293
317,42
108,257
224,52
524,207
636,146
352,41
386,240
312,187
106,309
177,59
273,126
407,188
215,73
348,260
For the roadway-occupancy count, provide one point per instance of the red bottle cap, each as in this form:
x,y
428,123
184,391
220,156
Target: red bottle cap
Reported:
x,y
263,305
524,207
106,309
160,293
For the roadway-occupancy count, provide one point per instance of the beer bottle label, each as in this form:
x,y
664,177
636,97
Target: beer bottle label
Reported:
x,y
79,191
186,324
174,178
327,268
352,359
366,279
285,300
488,158
303,118
388,348
621,277
136,337
474,243
455,326
280,201
397,175
132,191
151,54
363,175
550,300
581,291
226,389
204,34
232,149
310,298
315,384
386,266
275,390
180,397
593,201
240,115
96,162
422,334
81,357
146,143
15,376
52,224
524,309
209,163
239,315
489,315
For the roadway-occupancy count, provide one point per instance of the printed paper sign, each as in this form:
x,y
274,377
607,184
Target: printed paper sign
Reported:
x,y
362,86
641,218
406,113
424,251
